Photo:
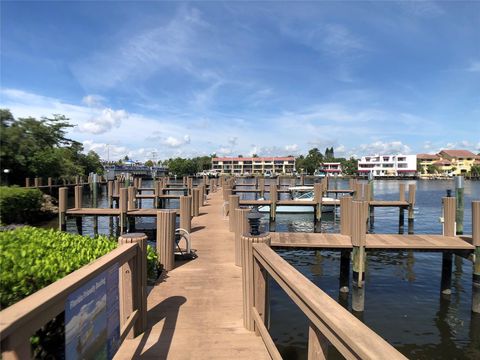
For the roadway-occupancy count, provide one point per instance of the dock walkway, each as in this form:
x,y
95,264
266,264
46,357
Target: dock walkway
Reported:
x,y
195,312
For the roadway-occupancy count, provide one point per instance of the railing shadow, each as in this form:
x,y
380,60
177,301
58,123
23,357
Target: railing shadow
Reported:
x,y
167,311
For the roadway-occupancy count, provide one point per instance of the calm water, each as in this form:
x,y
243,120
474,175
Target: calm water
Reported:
x,y
402,297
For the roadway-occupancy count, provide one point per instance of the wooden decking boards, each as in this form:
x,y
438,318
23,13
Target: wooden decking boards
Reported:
x,y
195,311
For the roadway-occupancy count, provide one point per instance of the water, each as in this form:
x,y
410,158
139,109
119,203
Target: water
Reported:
x,y
402,297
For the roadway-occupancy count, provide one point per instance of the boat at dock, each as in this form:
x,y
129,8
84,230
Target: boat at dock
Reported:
x,y
300,193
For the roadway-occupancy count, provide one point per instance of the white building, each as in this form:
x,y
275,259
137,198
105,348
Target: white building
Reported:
x,y
254,165
388,165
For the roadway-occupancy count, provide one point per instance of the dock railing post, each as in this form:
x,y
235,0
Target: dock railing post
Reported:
x,y
233,203
166,238
62,208
449,204
133,284
242,227
345,229
358,236
254,281
186,212
476,264
459,181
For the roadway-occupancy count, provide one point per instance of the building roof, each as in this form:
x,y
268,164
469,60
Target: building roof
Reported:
x,y
254,159
442,163
458,153
427,156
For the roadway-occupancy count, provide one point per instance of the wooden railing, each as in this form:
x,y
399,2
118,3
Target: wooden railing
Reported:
x,y
21,320
330,323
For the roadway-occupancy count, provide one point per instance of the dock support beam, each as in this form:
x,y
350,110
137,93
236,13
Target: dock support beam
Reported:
x,y
133,284
358,236
476,266
448,230
254,281
166,238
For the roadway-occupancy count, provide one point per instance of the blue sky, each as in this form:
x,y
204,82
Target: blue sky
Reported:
x,y
162,79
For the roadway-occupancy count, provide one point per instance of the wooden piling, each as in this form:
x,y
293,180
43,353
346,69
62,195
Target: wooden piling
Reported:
x,y
476,265
242,227
401,190
345,215
273,199
460,204
233,203
78,196
186,213
317,199
358,236
133,284
132,194
27,182
195,202
110,193
166,238
253,295
261,187
62,208
123,206
449,204
36,182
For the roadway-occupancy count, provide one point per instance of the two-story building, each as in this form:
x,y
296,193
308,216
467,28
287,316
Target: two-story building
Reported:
x,y
254,165
330,168
388,165
461,161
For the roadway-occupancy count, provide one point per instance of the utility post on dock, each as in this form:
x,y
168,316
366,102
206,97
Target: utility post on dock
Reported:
x,y
358,236
186,213
460,204
449,204
476,264
233,203
254,277
166,238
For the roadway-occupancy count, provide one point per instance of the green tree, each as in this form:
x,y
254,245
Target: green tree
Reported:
x,y
31,148
149,163
432,169
350,166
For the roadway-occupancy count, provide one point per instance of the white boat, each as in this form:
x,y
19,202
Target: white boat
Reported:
x,y
302,193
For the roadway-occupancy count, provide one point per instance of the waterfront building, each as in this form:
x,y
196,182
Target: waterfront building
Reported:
x,y
461,161
425,161
388,165
330,169
254,165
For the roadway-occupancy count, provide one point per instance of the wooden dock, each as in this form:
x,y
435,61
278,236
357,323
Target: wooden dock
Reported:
x,y
195,312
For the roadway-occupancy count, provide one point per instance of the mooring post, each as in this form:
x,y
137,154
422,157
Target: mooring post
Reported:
x,y
166,238
254,281
133,284
36,182
62,208
195,201
202,194
50,184
78,196
261,187
186,213
273,199
345,229
459,181
123,207
448,230
131,205
190,185
412,188
476,265
302,180
110,193
371,196
242,227
317,200
358,236
27,182
233,203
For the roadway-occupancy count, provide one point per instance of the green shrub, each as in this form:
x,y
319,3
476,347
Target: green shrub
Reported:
x,y
32,258
19,205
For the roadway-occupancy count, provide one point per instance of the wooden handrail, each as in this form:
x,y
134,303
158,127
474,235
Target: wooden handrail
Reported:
x,y
350,336
19,321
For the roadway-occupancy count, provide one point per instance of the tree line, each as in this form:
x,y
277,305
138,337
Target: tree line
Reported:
x,y
32,147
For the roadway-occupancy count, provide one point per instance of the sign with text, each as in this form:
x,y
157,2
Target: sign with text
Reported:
x,y
92,322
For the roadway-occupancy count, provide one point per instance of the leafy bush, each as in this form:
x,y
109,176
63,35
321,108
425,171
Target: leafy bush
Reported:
x,y
19,205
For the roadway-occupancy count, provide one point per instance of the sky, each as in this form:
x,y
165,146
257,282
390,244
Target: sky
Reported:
x,y
154,80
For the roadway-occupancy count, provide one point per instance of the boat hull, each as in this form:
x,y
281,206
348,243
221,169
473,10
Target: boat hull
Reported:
x,y
296,209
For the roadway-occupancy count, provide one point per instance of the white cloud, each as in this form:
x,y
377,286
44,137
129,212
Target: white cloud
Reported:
x,y
93,100
176,142
105,121
291,148
379,147
474,66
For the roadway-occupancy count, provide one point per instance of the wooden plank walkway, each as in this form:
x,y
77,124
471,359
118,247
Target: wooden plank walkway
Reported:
x,y
196,311
373,241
